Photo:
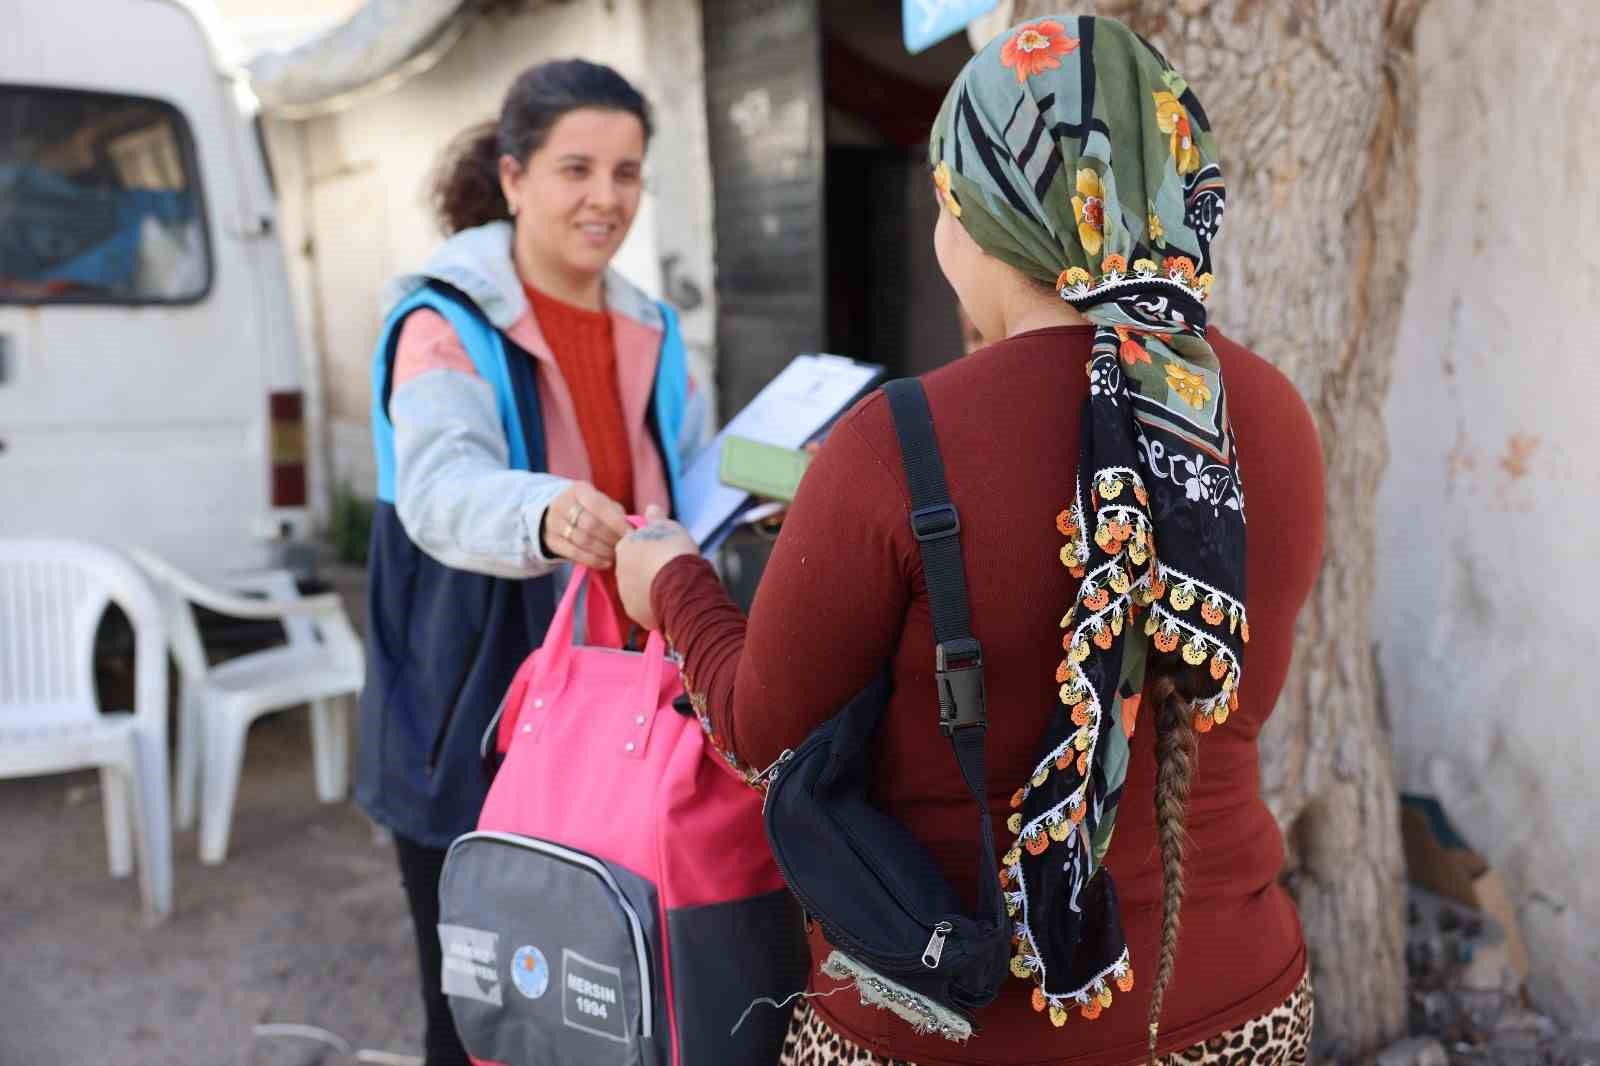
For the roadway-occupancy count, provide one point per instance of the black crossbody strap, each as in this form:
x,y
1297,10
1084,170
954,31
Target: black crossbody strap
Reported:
x,y
958,658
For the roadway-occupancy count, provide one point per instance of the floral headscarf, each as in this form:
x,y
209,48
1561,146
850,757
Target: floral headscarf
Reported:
x,y
1071,150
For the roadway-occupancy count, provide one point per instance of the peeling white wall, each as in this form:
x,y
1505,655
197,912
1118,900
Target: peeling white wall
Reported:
x,y
679,180
354,186
1489,517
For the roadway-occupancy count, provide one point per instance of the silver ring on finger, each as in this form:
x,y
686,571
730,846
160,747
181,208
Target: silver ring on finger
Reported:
x,y
575,514
571,526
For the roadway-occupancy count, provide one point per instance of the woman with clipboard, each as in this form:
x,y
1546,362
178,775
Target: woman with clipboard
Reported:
x,y
526,399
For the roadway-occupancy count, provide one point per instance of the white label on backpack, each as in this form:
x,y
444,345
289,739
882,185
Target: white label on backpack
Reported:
x,y
471,963
591,997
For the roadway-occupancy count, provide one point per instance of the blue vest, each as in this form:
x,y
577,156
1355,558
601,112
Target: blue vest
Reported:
x,y
442,644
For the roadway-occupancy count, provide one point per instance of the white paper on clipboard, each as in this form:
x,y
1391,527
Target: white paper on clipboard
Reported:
x,y
795,406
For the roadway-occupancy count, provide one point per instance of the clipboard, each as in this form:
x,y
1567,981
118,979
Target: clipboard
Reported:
x,y
794,408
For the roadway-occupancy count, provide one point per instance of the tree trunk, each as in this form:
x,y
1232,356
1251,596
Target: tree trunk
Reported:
x,y
1313,106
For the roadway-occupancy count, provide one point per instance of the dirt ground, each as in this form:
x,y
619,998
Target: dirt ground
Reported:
x,y
305,923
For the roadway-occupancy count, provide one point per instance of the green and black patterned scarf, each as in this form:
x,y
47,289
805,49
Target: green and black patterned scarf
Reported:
x,y
1070,149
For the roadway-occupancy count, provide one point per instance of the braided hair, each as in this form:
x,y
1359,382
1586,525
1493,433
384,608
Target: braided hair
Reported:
x,y
1177,745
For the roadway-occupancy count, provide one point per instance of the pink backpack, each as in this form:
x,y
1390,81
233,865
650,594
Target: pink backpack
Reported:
x,y
618,904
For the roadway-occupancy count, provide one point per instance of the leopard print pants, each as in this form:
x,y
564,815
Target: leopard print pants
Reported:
x,y
1280,1037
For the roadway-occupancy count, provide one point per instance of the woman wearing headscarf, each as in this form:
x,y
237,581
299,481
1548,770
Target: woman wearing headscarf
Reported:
x,y
1094,450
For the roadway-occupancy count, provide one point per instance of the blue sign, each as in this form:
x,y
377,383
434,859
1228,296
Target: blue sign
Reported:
x,y
927,22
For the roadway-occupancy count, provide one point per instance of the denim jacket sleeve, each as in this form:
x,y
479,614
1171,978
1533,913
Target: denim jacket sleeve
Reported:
x,y
456,494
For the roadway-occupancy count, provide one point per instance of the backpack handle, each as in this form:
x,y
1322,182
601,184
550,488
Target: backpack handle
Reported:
x,y
547,670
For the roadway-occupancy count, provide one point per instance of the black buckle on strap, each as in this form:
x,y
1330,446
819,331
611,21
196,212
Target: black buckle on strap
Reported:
x,y
958,669
936,522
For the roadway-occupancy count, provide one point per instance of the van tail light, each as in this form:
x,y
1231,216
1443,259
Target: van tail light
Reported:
x,y
288,447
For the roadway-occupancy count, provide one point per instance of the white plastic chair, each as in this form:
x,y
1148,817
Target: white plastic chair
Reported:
x,y
52,596
321,664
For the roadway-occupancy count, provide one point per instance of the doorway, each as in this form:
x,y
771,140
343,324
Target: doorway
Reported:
x,y
887,301
818,123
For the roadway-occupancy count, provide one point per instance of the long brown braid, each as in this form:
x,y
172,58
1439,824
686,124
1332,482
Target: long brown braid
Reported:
x,y
1176,750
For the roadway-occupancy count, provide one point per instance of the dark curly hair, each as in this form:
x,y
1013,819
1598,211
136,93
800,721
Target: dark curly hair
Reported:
x,y
466,185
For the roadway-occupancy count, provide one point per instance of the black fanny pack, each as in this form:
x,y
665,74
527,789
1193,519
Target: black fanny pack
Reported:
x,y
898,927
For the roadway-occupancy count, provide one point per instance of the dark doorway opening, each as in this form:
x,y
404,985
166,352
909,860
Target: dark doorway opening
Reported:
x,y
887,301
818,125
818,122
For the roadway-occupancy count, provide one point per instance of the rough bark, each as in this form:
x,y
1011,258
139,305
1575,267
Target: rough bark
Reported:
x,y
1313,104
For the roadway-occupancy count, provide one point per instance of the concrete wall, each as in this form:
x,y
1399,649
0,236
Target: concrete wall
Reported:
x,y
1487,616
353,185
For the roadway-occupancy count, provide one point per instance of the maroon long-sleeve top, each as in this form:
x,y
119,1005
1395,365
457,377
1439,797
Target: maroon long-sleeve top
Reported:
x,y
844,594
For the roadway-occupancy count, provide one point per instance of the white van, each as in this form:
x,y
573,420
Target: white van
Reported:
x,y
150,379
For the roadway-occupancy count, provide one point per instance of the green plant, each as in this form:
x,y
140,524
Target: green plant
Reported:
x,y
350,525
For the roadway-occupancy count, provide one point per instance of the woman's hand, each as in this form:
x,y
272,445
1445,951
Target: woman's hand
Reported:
x,y
583,525
640,557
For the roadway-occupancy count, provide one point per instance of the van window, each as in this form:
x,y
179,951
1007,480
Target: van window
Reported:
x,y
99,200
